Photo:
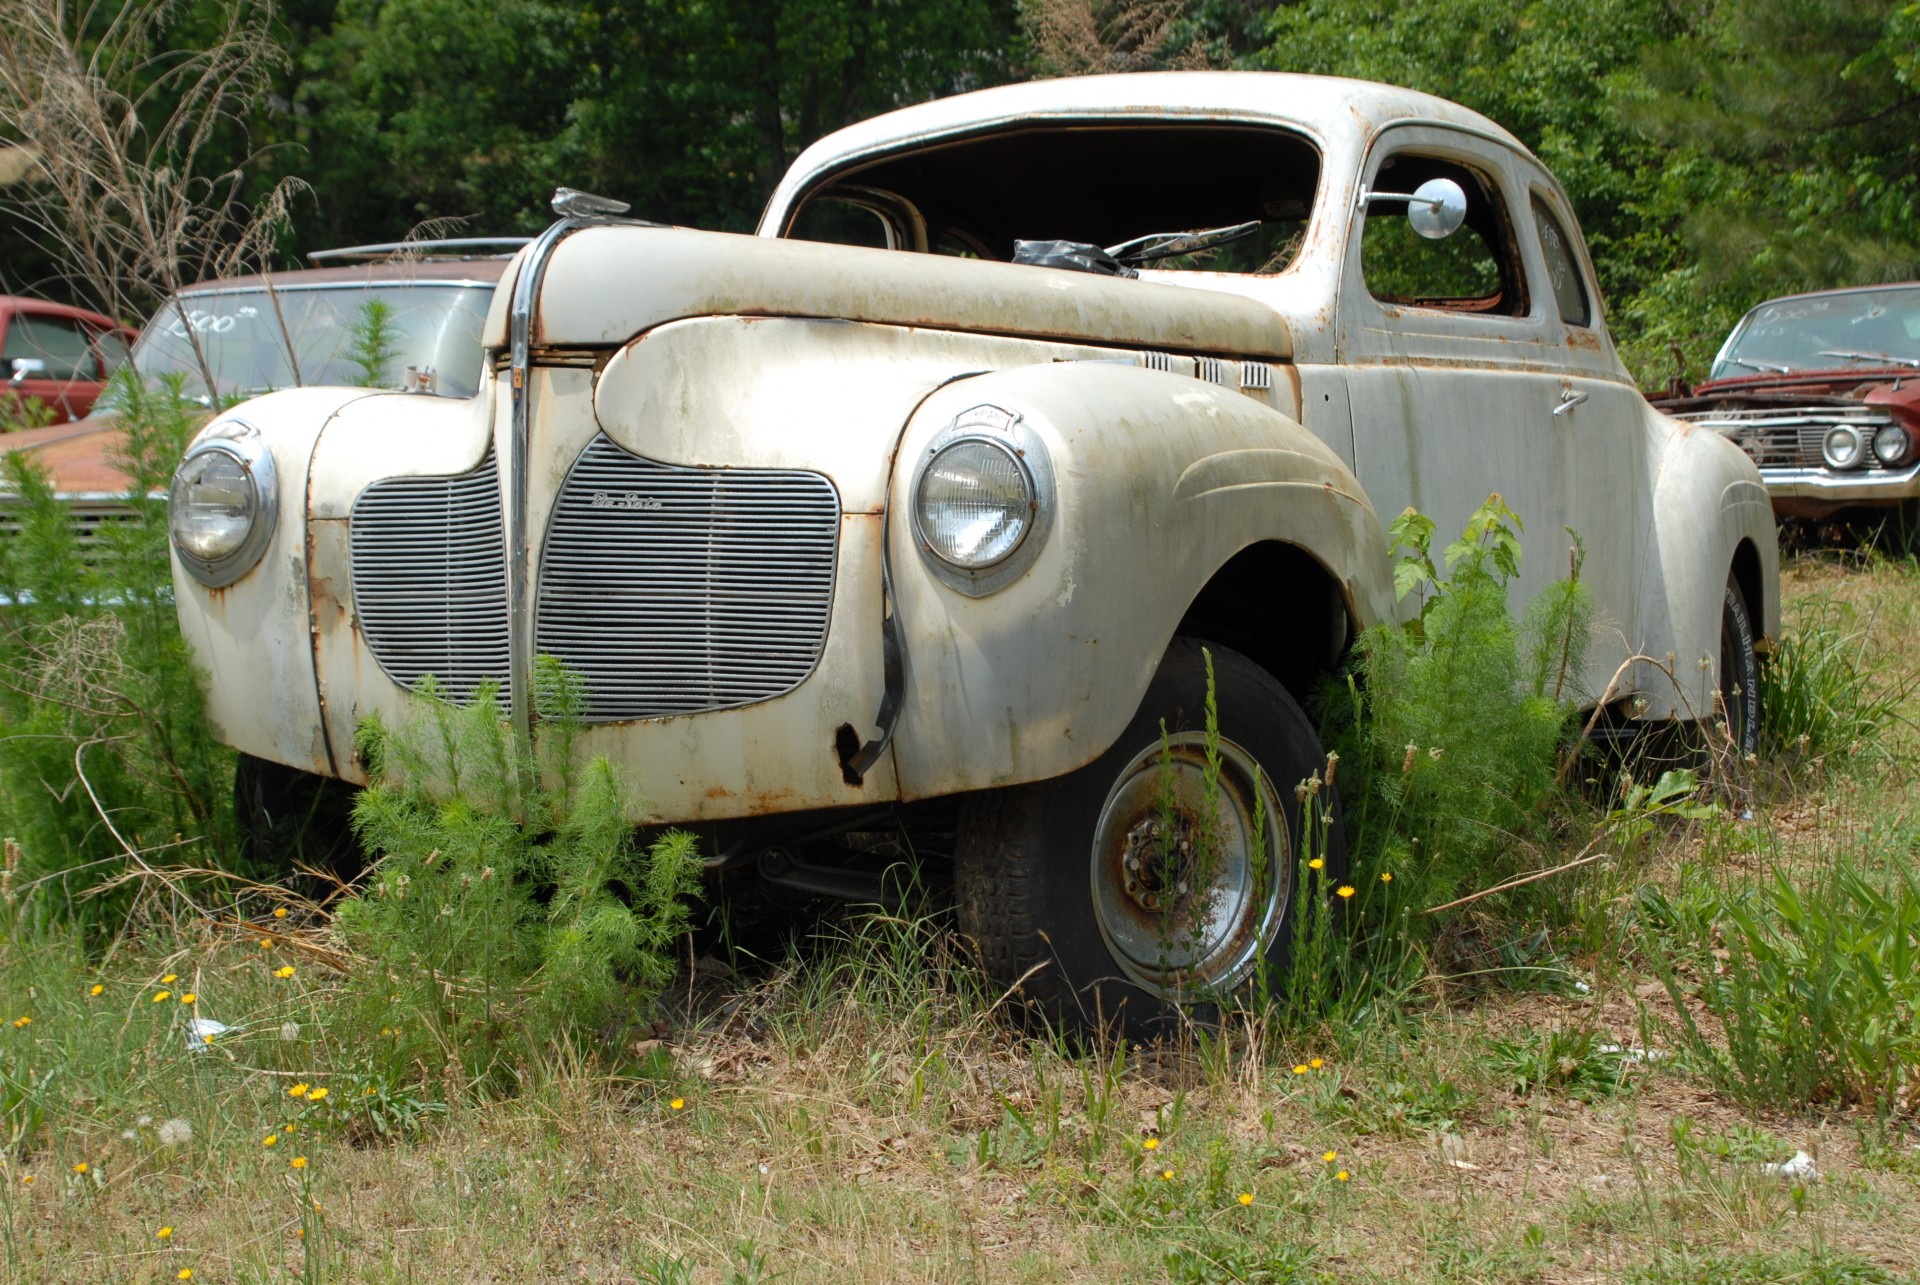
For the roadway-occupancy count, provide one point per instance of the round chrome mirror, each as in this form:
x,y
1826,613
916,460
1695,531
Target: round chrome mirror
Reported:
x,y
1437,208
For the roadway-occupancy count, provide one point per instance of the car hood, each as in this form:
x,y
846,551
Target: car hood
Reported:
x,y
80,457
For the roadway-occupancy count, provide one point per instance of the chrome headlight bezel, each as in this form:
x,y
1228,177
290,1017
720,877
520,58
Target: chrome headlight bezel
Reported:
x,y
1004,431
243,443
1853,458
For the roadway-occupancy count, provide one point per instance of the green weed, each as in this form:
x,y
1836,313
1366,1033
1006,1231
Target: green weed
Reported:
x,y
1813,989
373,343
1576,1063
510,906
1825,691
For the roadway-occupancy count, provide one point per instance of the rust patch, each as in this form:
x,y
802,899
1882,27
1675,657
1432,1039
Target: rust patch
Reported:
x,y
1579,337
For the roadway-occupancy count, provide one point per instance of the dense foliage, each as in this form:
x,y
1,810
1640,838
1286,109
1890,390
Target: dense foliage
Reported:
x,y
1717,151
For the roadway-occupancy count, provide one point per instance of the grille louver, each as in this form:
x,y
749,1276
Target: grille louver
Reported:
x,y
1792,438
430,579
674,590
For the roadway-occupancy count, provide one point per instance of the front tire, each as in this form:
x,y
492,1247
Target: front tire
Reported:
x,y
1095,892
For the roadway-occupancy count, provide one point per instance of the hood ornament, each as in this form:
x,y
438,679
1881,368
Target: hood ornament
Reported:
x,y
572,203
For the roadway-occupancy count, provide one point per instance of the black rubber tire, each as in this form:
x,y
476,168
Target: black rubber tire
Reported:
x,y
290,820
1739,671
1022,877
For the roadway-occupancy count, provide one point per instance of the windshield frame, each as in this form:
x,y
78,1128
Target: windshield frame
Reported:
x,y
780,218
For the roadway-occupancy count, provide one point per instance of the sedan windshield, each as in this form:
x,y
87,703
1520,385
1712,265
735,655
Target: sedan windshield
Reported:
x,y
423,337
1853,330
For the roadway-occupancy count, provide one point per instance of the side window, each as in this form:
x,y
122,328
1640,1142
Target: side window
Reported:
x,y
1473,270
1563,267
63,345
839,222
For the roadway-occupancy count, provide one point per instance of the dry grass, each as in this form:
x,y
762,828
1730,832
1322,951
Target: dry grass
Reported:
x,y
861,1116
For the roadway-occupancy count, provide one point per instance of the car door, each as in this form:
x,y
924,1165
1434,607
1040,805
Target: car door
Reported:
x,y
1603,428
1451,361
50,359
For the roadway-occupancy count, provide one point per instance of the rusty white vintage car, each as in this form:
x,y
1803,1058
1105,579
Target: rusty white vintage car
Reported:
x,y
915,510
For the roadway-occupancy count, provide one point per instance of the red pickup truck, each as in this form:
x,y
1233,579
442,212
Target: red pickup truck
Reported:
x,y
57,356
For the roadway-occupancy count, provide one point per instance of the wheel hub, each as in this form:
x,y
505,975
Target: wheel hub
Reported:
x,y
1190,867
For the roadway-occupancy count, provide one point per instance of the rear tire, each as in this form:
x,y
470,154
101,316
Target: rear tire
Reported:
x,y
1739,673
1070,891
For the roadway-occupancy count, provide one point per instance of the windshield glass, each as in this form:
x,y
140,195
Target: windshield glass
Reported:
x,y
1858,330
366,335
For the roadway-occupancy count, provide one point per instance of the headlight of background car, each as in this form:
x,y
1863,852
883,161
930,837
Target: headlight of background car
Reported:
x,y
223,502
1890,444
1843,447
983,500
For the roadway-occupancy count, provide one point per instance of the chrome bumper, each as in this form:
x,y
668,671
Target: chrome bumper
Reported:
x,y
1863,487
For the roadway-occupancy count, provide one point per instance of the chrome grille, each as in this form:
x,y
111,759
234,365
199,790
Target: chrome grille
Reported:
x,y
430,579
1791,437
673,590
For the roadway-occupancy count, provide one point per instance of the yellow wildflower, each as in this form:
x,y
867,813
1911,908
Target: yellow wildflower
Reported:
x,y
1301,1069
170,979
289,1127
22,1022
678,1104
279,912
184,1274
1316,864
1316,1063
1344,890
266,943
299,1162
160,995
1341,1176
1151,1144
1328,1156
283,972
1246,1197
27,1181
82,1167
301,1232
1386,876
270,1140
1166,1175
164,1233
97,989
299,1090
316,1095
189,998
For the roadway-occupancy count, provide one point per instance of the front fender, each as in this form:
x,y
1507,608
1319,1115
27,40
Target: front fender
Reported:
x,y
1160,479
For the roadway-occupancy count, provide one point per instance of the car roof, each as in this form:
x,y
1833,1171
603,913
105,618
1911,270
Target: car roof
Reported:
x,y
478,272
1325,106
26,303
1838,290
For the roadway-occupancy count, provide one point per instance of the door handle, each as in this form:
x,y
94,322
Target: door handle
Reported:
x,y
1569,398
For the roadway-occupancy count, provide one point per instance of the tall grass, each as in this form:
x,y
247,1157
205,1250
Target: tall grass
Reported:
x,y
106,753
1826,689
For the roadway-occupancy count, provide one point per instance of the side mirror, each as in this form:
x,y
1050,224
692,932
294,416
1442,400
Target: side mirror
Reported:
x,y
24,368
1435,209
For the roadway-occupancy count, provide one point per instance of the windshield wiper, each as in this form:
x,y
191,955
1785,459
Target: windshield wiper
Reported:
x,y
1761,365
1891,360
1176,243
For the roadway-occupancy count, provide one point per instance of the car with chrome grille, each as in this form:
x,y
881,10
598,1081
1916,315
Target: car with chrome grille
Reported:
x,y
922,519
1822,390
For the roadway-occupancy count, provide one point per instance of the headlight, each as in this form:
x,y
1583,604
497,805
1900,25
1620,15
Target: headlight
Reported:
x,y
1890,444
975,504
983,500
223,502
1842,447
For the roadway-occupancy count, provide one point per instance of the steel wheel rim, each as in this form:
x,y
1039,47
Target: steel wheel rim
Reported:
x,y
1169,928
